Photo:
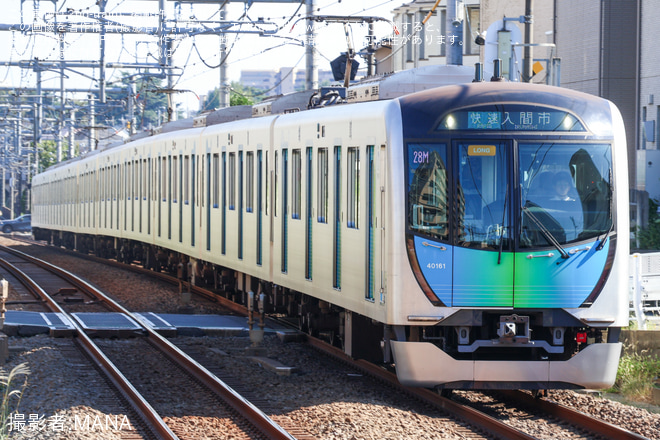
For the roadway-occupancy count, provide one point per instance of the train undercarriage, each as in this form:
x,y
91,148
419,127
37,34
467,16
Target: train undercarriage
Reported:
x,y
467,336
310,315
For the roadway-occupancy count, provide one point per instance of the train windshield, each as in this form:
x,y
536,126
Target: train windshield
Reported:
x,y
428,190
565,192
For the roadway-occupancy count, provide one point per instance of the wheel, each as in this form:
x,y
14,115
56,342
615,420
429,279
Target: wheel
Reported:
x,y
7,229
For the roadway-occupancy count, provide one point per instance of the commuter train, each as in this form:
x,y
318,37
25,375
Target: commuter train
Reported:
x,y
466,234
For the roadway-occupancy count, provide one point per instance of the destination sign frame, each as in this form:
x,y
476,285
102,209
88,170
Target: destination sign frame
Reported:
x,y
511,118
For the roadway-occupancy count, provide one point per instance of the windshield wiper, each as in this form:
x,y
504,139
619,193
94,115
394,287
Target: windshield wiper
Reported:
x,y
546,233
601,245
499,252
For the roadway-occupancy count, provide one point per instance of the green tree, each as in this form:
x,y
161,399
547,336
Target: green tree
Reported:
x,y
47,154
150,98
239,95
649,238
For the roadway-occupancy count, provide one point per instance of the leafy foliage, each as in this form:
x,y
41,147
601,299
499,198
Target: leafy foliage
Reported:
x,y
635,375
47,154
149,99
239,95
649,238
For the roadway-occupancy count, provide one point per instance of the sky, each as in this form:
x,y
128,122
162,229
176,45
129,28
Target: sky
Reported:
x,y
197,56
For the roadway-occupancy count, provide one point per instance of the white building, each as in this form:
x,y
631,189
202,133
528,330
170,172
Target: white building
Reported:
x,y
418,45
280,81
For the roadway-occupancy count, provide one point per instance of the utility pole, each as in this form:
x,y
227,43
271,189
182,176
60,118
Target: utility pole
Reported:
x,y
19,132
72,134
224,81
131,108
371,64
455,40
39,109
163,32
60,122
312,72
102,4
528,59
92,123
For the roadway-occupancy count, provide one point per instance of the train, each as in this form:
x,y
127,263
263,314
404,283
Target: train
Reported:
x,y
465,233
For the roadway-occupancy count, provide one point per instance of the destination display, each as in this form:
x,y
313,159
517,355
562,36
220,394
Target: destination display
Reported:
x,y
511,118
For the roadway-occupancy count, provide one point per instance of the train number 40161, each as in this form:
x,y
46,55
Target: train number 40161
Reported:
x,y
436,266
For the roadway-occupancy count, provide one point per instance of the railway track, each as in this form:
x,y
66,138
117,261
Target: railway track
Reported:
x,y
248,420
475,423
577,418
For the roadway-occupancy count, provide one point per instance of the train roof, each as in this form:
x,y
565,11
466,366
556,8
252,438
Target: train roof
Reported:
x,y
421,109
383,87
451,86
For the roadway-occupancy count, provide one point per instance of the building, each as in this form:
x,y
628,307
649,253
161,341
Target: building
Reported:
x,y
417,45
602,48
608,49
494,13
280,81
648,151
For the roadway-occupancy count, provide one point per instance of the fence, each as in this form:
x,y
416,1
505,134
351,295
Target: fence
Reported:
x,y
644,291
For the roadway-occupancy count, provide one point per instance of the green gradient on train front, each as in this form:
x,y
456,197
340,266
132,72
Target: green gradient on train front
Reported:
x,y
479,281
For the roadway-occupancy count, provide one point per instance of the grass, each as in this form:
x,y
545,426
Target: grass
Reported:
x,y
635,377
12,391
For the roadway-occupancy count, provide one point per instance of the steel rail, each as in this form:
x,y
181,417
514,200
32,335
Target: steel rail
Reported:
x,y
119,381
245,408
485,422
470,415
585,421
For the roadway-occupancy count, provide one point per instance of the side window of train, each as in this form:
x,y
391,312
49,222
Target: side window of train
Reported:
x,y
353,187
249,182
322,186
216,180
186,179
428,192
296,176
277,171
232,180
175,175
163,179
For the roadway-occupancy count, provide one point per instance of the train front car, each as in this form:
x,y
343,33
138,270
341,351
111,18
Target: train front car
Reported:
x,y
514,264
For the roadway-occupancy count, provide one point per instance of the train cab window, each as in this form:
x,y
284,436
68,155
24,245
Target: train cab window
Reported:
x,y
428,190
353,187
566,193
296,176
482,201
322,186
